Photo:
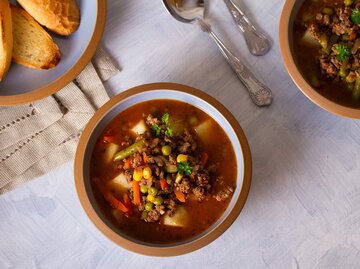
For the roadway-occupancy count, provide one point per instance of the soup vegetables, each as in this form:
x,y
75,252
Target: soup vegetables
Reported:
x,y
161,165
335,28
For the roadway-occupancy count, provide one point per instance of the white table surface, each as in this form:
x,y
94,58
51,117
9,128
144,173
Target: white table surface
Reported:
x,y
303,210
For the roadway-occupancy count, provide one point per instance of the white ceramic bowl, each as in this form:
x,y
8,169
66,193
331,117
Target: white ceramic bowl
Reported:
x,y
162,91
22,85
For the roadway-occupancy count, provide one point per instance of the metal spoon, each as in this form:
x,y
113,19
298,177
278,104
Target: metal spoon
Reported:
x,y
256,41
192,11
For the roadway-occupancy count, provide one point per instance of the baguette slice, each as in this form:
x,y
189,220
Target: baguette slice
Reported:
x,y
33,46
59,16
6,38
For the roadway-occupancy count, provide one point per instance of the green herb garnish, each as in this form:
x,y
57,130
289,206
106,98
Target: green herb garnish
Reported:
x,y
355,16
165,118
156,129
184,168
343,53
169,131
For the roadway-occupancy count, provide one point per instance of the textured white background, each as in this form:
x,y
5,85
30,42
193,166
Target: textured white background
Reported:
x,y
303,210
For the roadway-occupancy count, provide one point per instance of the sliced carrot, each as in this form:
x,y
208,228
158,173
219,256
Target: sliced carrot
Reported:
x,y
117,204
127,203
136,191
110,198
204,157
127,164
163,183
145,157
179,195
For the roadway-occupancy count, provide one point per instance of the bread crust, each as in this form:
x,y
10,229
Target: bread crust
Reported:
x,y
6,38
49,46
59,16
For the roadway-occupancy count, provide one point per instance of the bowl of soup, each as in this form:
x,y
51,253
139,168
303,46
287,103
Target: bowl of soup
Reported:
x,y
320,45
163,169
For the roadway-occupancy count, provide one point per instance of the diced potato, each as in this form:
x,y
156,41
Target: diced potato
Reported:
x,y
119,184
179,219
139,128
308,41
110,151
203,130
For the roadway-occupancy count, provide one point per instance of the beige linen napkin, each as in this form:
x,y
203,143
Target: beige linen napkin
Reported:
x,y
38,137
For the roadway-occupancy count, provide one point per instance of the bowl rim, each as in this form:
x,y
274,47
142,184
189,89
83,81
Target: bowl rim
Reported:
x,y
296,76
167,250
71,73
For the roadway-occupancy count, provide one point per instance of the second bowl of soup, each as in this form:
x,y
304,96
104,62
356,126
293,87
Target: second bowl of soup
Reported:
x,y
163,169
319,42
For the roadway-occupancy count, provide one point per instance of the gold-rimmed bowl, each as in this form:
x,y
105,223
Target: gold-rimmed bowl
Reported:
x,y
165,91
287,19
24,85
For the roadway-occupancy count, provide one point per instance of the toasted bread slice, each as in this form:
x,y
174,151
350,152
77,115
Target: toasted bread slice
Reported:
x,y
59,16
6,38
33,46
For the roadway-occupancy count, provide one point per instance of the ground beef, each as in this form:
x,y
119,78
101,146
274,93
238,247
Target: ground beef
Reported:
x,y
128,175
172,159
323,19
184,148
202,179
171,206
160,209
153,216
137,160
185,186
328,68
151,120
159,161
199,193
150,159
224,194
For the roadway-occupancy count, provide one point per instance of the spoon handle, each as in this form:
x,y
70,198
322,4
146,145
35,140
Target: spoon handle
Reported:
x,y
256,41
259,93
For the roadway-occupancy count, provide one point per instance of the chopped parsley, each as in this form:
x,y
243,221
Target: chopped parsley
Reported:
x,y
165,118
343,53
156,129
165,126
355,16
169,131
184,168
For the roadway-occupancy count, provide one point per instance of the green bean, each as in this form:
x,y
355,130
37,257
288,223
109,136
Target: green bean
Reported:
x,y
129,150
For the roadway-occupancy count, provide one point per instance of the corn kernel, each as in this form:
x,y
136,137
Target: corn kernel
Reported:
x,y
181,158
151,198
147,173
178,178
138,174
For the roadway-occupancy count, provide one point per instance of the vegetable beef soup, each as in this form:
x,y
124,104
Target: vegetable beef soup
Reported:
x,y
163,171
326,48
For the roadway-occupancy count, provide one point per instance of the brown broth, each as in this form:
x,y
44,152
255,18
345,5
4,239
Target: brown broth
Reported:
x,y
306,58
202,215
